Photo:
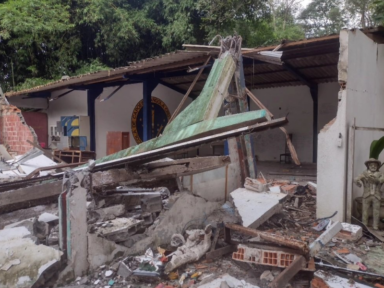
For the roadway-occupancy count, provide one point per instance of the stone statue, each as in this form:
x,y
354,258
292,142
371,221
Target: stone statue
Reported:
x,y
372,180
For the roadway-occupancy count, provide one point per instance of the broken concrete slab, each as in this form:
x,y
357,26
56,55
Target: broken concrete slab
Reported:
x,y
231,282
35,262
30,224
49,218
14,233
350,232
187,211
12,200
324,238
111,212
102,251
119,229
257,185
255,208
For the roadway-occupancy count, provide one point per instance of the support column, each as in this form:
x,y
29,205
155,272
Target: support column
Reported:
x,y
314,93
244,107
148,86
92,94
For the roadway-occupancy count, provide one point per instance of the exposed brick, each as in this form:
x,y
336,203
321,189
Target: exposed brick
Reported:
x,y
13,130
289,189
318,283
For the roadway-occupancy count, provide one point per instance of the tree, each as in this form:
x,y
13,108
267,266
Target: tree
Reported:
x,y
283,19
362,10
42,40
378,14
322,17
34,35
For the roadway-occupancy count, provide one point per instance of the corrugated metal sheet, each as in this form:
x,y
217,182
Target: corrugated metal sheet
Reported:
x,y
314,58
159,63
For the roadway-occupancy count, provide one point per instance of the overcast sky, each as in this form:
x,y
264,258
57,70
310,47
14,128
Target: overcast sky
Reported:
x,y
304,3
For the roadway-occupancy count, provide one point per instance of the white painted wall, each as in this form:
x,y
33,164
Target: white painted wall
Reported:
x,y
331,164
296,102
74,103
115,113
361,66
365,95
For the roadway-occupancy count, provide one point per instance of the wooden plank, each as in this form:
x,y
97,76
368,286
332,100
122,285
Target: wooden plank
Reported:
x,y
215,238
350,169
280,240
177,111
60,166
220,252
288,273
291,148
30,193
176,168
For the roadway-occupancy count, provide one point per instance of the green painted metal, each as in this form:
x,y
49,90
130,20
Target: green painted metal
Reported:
x,y
201,129
208,104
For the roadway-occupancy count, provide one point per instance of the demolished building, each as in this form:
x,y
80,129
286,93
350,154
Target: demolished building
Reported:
x,y
145,215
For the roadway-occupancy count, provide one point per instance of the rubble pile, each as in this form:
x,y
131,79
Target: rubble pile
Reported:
x,y
190,242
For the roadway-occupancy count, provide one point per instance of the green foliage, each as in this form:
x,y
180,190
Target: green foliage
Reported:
x,y
89,67
323,17
378,14
32,82
377,146
46,39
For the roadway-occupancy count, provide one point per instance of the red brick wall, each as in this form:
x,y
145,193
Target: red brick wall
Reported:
x,y
13,130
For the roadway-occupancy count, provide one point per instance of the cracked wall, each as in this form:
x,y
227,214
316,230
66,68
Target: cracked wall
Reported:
x,y
361,73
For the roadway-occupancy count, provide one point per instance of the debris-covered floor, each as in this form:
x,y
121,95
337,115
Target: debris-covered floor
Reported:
x,y
184,242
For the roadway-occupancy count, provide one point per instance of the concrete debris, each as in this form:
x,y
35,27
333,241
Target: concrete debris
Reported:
x,y
324,238
267,275
350,232
49,218
193,249
12,233
258,185
231,282
9,264
119,229
22,262
179,218
110,213
324,279
256,208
